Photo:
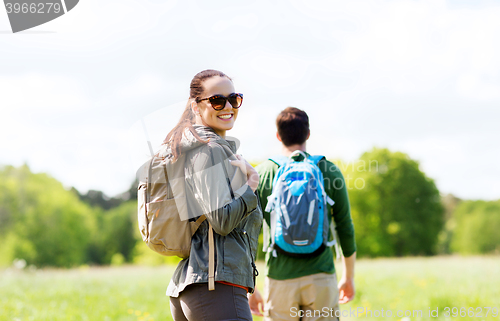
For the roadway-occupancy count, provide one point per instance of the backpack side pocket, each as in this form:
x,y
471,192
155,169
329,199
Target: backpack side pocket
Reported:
x,y
168,235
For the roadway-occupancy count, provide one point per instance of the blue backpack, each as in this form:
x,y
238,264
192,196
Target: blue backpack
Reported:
x,y
299,219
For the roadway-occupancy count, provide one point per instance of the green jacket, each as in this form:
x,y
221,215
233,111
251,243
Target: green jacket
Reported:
x,y
236,221
284,267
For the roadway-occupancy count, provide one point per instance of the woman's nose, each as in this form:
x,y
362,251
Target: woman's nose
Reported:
x,y
228,106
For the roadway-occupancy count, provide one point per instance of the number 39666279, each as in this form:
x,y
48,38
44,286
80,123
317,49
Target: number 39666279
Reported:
x,y
478,312
33,7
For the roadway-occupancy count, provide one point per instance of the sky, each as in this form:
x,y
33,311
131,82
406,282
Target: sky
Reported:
x,y
81,95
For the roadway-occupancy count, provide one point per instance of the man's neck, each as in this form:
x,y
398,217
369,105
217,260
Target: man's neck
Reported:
x,y
287,150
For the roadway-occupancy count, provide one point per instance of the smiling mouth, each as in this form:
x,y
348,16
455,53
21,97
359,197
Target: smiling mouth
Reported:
x,y
225,117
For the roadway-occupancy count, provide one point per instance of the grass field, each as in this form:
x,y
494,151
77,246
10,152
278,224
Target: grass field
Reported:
x,y
137,293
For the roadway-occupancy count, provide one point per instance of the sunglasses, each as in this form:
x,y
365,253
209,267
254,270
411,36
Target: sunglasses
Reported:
x,y
218,102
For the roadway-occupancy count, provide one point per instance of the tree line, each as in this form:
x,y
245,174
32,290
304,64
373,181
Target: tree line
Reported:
x,y
397,211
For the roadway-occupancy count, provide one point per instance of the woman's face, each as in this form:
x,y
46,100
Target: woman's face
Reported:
x,y
221,120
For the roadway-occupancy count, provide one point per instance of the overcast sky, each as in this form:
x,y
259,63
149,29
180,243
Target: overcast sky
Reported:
x,y
421,77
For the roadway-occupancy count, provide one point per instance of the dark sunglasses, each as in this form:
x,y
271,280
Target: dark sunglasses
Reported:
x,y
218,102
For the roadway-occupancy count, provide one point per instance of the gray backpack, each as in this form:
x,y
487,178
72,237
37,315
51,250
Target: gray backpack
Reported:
x,y
162,217
162,209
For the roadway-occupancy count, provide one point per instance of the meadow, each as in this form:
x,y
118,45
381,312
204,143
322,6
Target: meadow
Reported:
x,y
137,293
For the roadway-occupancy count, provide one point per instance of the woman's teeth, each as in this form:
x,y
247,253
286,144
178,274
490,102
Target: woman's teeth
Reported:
x,y
225,116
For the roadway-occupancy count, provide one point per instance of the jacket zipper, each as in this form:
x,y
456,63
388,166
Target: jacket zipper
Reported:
x,y
254,267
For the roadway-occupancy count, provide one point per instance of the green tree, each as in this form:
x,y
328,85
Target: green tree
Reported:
x,y
116,233
8,200
476,227
396,208
9,205
98,198
48,225
450,203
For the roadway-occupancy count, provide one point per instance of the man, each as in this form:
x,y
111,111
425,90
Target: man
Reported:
x,y
297,287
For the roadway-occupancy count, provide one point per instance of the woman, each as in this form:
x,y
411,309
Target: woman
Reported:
x,y
231,209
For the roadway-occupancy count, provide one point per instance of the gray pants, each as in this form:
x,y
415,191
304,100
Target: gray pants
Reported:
x,y
225,303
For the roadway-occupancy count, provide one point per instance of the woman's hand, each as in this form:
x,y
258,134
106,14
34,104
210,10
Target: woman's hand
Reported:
x,y
248,170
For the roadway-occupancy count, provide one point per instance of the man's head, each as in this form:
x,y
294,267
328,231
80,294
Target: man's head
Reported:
x,y
293,126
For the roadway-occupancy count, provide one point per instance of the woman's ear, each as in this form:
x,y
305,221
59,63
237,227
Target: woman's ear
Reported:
x,y
194,107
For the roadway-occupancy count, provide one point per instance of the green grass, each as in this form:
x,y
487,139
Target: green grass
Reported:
x,y
115,293
413,284
138,293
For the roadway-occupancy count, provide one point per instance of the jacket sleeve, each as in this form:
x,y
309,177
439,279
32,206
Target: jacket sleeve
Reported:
x,y
266,172
207,177
336,188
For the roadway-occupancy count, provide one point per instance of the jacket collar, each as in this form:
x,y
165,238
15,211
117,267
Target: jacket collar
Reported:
x,y
208,133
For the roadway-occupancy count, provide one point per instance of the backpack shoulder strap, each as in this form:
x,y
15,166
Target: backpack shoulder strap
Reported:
x,y
223,167
211,259
280,160
316,158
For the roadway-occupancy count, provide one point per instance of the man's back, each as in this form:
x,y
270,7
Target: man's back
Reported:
x,y
283,267
297,287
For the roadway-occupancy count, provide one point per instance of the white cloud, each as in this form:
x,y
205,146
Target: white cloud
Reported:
x,y
412,75
478,87
144,86
247,21
37,93
276,70
107,20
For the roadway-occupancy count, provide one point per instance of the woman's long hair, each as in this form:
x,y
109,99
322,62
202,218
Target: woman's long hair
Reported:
x,y
187,120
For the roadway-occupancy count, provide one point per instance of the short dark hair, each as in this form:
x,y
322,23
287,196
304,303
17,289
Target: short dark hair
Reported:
x,y
293,126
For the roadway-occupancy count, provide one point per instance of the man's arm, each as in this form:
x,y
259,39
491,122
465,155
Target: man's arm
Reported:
x,y
256,303
346,284
341,211
266,171
266,175
336,188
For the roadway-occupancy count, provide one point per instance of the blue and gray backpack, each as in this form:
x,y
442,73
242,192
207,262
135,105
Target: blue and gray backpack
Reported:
x,y
299,219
